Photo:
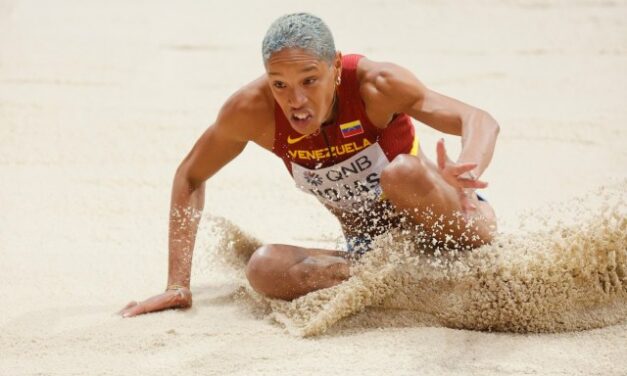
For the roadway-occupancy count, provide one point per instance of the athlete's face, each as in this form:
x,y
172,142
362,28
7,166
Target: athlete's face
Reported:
x,y
303,86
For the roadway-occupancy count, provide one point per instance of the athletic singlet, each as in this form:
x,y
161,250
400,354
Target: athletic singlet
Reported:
x,y
341,164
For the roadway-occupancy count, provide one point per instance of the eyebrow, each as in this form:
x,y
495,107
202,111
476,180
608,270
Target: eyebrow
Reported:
x,y
309,68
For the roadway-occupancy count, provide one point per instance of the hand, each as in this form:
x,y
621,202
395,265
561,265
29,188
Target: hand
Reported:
x,y
459,176
178,298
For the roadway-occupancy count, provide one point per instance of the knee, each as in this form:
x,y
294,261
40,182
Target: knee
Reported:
x,y
261,269
405,171
302,271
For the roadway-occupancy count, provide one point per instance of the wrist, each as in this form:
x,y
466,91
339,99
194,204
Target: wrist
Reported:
x,y
175,287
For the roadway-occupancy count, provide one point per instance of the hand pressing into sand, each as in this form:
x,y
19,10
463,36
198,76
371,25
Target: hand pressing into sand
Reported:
x,y
171,299
459,176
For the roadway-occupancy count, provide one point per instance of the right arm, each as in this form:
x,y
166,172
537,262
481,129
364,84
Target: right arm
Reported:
x,y
215,148
218,145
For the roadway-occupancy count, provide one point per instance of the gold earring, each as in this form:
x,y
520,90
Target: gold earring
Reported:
x,y
338,81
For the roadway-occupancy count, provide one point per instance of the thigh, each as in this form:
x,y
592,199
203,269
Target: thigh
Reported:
x,y
279,258
286,271
296,253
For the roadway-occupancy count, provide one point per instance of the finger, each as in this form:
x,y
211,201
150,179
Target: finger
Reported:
x,y
126,307
441,154
169,299
459,169
469,183
137,309
150,305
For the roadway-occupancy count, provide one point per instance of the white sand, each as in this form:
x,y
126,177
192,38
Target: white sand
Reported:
x,y
99,101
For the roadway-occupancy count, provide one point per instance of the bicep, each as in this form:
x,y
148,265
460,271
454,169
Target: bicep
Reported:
x,y
399,90
213,150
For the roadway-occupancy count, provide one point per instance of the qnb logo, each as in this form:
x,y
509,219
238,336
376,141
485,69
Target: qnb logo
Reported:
x,y
313,178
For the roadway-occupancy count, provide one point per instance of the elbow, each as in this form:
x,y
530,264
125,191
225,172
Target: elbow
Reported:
x,y
491,123
480,121
183,178
181,174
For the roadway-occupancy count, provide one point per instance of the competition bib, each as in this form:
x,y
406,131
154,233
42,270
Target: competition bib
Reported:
x,y
347,184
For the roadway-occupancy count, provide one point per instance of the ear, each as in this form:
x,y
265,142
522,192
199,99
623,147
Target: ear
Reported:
x,y
337,63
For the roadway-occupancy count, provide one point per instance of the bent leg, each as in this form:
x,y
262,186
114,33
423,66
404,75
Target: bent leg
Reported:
x,y
287,272
414,186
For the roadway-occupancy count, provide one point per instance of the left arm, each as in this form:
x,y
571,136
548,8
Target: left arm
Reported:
x,y
396,90
477,128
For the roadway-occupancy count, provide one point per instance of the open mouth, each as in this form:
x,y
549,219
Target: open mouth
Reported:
x,y
301,117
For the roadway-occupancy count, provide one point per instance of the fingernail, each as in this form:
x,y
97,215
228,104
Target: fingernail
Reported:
x,y
126,315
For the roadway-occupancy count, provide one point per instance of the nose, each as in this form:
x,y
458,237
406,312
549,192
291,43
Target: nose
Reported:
x,y
296,98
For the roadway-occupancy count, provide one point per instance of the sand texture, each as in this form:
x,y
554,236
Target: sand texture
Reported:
x,y
100,101
564,278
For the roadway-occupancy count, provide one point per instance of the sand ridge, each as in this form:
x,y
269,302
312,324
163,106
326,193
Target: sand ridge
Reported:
x,y
563,278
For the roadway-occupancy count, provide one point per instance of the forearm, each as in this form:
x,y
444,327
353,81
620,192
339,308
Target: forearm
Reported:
x,y
185,211
479,133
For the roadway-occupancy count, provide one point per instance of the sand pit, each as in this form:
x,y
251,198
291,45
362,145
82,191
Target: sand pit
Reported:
x,y
565,278
100,101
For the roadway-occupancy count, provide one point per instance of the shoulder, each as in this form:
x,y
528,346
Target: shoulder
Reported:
x,y
248,113
388,84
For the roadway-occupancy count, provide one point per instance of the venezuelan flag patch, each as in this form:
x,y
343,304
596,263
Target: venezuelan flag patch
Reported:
x,y
351,129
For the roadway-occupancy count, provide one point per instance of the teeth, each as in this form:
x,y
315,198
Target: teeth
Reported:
x,y
301,116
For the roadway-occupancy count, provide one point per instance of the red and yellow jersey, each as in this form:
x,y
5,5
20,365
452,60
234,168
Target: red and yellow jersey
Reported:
x,y
341,164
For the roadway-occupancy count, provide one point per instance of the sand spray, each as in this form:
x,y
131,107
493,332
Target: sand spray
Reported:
x,y
564,270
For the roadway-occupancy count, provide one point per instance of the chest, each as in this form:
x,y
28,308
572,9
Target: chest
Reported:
x,y
347,184
331,144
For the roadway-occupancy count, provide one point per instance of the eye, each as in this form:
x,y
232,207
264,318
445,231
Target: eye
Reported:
x,y
310,81
278,85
